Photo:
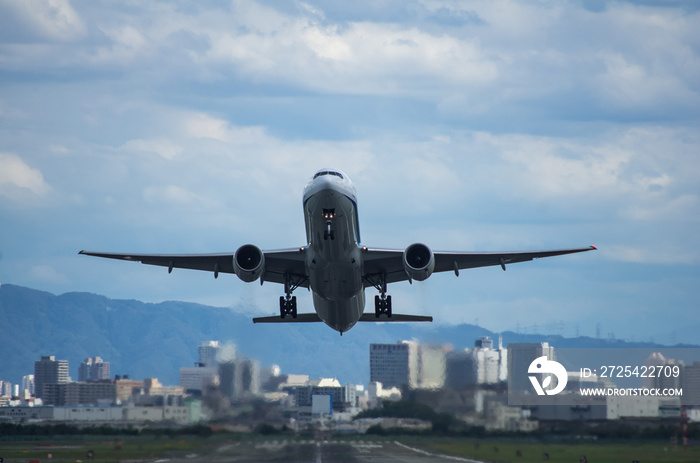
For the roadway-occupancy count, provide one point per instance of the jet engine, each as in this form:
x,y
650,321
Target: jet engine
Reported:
x,y
418,261
248,262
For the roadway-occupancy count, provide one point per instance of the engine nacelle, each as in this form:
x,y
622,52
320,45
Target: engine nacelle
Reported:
x,y
248,262
418,261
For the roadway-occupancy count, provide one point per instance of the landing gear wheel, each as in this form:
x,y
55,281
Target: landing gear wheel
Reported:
x,y
288,303
382,304
288,306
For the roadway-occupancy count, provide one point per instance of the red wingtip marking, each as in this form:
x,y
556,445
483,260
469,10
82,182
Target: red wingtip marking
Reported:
x,y
593,247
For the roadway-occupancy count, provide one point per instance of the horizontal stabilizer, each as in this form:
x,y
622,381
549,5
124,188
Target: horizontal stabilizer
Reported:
x,y
301,318
397,317
367,317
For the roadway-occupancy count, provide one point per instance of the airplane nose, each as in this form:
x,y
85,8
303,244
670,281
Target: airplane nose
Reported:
x,y
327,182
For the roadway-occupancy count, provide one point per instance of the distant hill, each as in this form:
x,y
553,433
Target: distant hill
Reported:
x,y
155,340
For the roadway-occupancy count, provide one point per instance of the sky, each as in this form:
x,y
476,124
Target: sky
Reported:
x,y
193,127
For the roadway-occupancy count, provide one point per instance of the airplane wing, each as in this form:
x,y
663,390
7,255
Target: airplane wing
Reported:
x,y
389,262
278,263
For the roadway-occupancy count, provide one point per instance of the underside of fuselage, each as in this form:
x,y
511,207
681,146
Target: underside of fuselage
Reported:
x,y
333,260
341,315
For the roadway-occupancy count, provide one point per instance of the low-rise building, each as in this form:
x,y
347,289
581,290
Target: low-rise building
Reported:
x,y
498,415
79,393
643,407
186,413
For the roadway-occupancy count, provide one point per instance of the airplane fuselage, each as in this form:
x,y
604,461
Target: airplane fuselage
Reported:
x,y
334,255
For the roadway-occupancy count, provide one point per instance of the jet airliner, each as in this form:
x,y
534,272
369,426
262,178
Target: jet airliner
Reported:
x,y
333,264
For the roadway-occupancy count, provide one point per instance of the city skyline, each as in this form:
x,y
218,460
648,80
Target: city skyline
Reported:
x,y
179,127
99,326
406,363
479,385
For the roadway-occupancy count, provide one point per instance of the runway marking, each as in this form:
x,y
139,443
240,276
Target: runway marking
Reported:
x,y
225,448
365,447
272,445
446,457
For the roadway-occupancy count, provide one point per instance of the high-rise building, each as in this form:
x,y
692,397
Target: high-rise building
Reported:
x,y
28,384
249,378
484,342
520,356
239,379
48,370
407,364
394,365
431,367
481,365
205,373
93,369
208,353
195,380
690,381
5,389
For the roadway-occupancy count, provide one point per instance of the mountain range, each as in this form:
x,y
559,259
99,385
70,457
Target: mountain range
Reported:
x,y
145,340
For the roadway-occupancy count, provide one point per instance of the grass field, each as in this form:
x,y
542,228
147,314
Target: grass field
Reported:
x,y
141,448
105,450
594,453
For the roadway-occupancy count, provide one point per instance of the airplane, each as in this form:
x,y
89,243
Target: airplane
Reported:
x,y
333,264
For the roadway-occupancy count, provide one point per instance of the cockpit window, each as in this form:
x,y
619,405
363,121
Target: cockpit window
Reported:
x,y
328,172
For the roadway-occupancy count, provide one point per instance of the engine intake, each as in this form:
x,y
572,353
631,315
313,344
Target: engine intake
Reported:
x,y
248,262
418,261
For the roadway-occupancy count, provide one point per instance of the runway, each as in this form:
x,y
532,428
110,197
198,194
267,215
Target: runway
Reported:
x,y
331,451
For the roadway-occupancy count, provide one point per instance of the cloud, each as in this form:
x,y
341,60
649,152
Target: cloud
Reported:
x,y
555,167
51,19
684,208
162,147
173,195
358,58
19,182
631,84
622,59
161,126
663,253
11,113
635,164
125,43
201,125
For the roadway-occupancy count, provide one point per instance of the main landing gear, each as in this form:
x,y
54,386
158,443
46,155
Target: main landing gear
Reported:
x,y
288,306
288,303
382,302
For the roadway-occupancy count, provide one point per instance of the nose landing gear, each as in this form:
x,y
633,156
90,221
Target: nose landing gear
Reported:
x,y
329,232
